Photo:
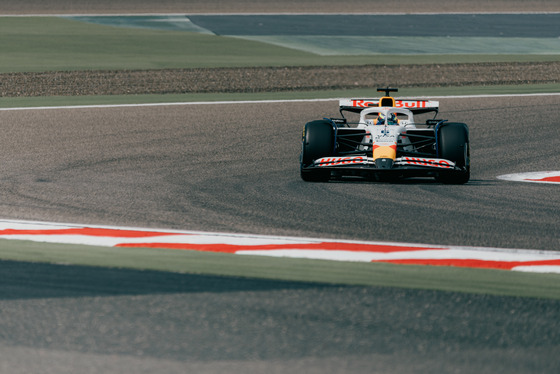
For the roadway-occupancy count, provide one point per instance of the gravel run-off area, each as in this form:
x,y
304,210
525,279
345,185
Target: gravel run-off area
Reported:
x,y
273,79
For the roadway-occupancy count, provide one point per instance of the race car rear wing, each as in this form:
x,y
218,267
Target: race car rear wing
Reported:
x,y
415,106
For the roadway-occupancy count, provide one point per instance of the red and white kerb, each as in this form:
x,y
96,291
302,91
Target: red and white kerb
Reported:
x,y
260,245
552,177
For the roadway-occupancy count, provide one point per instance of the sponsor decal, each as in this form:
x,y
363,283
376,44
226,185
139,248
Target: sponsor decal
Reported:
x,y
385,135
364,103
433,162
275,246
408,104
337,161
386,139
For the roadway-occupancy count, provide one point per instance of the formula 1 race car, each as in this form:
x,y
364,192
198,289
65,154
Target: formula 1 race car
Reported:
x,y
385,143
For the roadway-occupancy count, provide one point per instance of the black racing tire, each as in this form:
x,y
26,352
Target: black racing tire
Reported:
x,y
453,145
317,142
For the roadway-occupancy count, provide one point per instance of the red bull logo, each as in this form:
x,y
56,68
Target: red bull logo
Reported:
x,y
409,104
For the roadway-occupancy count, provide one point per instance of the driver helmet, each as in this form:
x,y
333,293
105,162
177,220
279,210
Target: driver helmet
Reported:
x,y
380,119
392,119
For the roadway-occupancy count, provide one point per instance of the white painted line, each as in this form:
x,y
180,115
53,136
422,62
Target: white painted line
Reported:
x,y
164,104
229,102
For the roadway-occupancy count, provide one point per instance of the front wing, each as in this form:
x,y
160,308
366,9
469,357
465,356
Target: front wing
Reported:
x,y
404,166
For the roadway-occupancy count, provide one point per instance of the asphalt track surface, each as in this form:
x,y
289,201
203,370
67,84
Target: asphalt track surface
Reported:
x,y
234,168
417,25
273,6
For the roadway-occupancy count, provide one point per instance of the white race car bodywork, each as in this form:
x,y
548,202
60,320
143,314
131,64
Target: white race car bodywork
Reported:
x,y
382,138
385,143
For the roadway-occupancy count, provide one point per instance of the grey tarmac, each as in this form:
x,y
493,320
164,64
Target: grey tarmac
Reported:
x,y
234,167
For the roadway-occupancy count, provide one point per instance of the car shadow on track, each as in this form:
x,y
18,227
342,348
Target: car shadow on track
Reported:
x,y
26,280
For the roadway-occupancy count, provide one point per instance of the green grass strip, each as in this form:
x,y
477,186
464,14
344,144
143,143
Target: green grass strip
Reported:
x,y
49,44
481,281
36,44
